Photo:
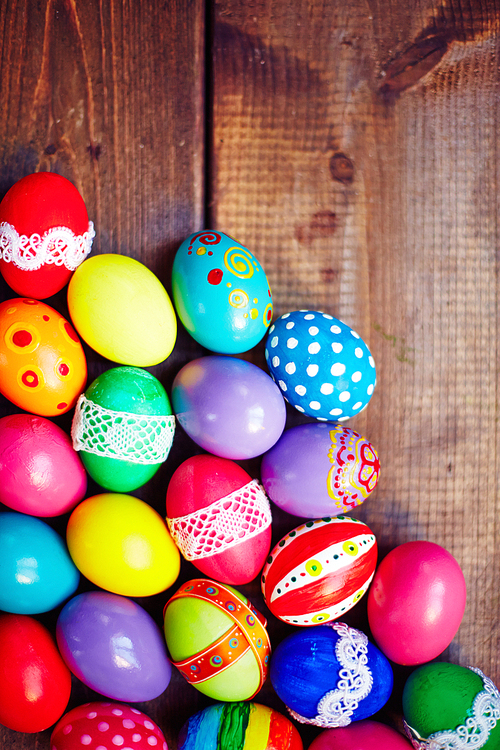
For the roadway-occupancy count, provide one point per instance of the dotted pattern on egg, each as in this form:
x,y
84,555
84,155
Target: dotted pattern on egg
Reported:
x,y
322,367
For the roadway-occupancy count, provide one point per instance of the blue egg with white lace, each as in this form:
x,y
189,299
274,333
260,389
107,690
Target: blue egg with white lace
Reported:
x,y
330,675
321,365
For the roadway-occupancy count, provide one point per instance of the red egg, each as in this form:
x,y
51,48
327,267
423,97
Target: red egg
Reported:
x,y
220,518
45,234
361,735
35,684
99,726
416,602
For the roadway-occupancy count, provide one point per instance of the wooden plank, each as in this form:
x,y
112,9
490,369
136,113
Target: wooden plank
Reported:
x,y
355,152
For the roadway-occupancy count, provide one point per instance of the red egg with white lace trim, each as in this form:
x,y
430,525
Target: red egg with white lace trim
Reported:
x,y
220,518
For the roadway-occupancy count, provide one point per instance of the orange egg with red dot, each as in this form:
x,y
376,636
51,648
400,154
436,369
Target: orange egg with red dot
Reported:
x,y
42,363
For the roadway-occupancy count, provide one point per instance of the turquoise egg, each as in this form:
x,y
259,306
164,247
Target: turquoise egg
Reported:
x,y
36,571
221,293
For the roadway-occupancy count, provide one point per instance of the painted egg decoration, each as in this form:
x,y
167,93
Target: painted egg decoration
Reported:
x,y
228,406
366,734
45,233
122,310
319,570
323,368
106,726
35,683
113,646
43,368
123,428
416,602
36,571
217,640
220,518
450,706
40,473
330,675
247,726
221,293
320,469
123,545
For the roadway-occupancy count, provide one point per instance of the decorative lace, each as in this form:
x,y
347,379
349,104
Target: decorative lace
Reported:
x,y
472,735
58,246
139,438
240,515
355,680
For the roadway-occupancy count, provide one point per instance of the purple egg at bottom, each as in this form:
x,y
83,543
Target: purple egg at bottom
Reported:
x,y
113,646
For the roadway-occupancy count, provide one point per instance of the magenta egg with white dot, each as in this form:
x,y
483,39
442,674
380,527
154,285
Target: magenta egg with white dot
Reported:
x,y
228,406
322,366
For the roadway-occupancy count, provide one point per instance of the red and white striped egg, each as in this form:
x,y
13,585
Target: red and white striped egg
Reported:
x,y
319,570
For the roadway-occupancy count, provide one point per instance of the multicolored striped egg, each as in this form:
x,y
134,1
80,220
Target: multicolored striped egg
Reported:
x,y
243,725
319,570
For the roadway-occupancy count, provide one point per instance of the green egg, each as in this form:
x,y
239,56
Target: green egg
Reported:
x,y
123,428
441,697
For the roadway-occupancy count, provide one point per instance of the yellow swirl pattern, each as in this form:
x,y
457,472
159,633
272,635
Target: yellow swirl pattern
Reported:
x,y
239,262
238,298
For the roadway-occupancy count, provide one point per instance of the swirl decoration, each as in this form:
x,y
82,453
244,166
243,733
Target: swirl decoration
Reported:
x,y
206,238
239,262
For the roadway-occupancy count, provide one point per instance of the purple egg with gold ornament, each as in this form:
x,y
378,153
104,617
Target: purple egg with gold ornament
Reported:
x,y
319,570
330,675
322,366
221,293
217,640
319,469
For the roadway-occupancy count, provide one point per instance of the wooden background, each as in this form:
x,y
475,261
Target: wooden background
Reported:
x,y
353,147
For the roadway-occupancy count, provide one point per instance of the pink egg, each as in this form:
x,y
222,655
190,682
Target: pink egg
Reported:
x,y
361,735
40,472
416,602
220,518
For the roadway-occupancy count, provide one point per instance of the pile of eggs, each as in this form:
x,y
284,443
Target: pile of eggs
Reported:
x,y
217,518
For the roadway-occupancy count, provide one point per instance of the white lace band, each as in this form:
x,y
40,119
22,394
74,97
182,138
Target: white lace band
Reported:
x,y
355,680
58,246
138,438
240,515
472,735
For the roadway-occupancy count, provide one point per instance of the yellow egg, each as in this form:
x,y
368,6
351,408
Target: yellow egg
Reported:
x,y
123,545
122,310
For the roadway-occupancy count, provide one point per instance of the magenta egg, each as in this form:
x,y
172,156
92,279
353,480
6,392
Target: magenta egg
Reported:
x,y
40,472
361,735
228,406
220,518
416,602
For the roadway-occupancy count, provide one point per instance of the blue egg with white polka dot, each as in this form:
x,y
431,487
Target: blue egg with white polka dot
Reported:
x,y
322,367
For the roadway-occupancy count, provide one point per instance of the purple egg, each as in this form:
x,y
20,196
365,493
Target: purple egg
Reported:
x,y
113,646
229,407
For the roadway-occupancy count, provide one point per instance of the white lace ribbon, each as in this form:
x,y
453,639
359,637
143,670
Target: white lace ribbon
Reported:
x,y
472,735
234,518
355,680
58,246
138,438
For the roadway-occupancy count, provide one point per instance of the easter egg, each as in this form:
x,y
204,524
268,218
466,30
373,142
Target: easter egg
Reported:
x,y
220,518
229,407
122,544
319,570
35,683
106,726
330,675
40,473
449,706
36,571
361,735
122,310
113,646
45,233
246,725
42,364
217,640
416,602
221,293
320,469
323,368
123,427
